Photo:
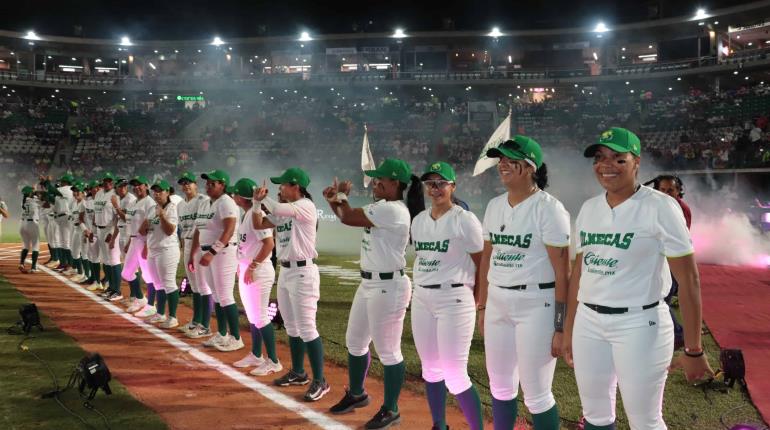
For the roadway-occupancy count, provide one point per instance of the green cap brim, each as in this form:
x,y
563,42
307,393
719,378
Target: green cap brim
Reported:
x,y
505,152
591,150
425,176
276,180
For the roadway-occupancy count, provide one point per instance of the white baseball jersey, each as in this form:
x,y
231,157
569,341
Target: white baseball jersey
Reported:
x,y
88,208
249,238
75,211
156,237
519,236
383,247
624,248
124,204
137,212
104,212
175,199
210,220
61,206
5,207
443,247
188,211
295,227
30,210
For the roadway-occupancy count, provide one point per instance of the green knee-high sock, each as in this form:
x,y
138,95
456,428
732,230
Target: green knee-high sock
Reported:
x,y
34,259
95,271
548,420
196,308
205,310
231,311
221,319
297,348
68,257
173,302
24,253
315,352
54,254
394,379
86,268
139,294
589,426
470,403
79,266
135,288
268,337
107,272
358,365
115,277
161,302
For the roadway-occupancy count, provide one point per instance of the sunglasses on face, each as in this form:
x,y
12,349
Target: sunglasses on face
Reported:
x,y
437,184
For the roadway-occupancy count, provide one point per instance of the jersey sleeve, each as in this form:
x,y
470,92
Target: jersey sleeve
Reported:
x,y
578,226
302,209
472,237
172,214
487,220
384,215
229,209
671,229
554,224
260,234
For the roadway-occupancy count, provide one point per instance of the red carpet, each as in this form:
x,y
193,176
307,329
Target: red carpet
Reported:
x,y
736,308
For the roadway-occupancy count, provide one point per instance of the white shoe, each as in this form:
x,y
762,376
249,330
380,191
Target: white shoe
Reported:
x,y
146,311
157,318
78,278
70,272
188,327
170,322
32,271
96,286
115,297
52,264
198,332
128,301
229,344
267,368
249,361
216,340
138,305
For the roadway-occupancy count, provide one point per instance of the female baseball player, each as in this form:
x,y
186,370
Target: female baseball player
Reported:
x,y
108,236
125,199
299,282
379,306
76,235
448,244
3,214
188,209
91,236
62,202
618,327
523,286
216,227
162,252
82,225
255,280
137,212
29,228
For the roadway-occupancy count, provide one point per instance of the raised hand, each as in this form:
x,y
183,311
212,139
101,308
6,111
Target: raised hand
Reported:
x,y
261,192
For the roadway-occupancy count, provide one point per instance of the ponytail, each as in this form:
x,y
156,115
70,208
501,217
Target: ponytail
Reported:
x,y
541,177
415,199
305,194
170,191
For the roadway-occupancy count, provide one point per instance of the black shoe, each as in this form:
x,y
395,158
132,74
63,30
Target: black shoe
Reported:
x,y
317,390
109,295
291,378
383,419
349,402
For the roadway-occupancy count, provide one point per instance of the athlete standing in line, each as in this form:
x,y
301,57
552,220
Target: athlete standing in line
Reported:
x,y
214,254
523,286
108,236
76,234
448,243
162,252
91,236
3,214
29,228
299,283
79,215
125,199
379,306
618,327
255,280
193,204
62,195
136,213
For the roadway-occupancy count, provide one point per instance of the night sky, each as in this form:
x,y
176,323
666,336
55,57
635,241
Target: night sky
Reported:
x,y
195,19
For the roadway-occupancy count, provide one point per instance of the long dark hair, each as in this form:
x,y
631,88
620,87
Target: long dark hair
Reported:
x,y
305,194
541,177
415,199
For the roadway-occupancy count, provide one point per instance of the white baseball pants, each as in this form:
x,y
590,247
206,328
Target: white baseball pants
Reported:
x,y
299,289
256,296
162,263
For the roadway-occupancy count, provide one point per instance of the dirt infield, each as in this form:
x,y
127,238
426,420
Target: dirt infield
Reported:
x,y
189,386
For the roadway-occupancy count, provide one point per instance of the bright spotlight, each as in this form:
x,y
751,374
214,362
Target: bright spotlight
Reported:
x,y
700,14
596,56
217,41
399,33
305,37
495,32
31,35
125,41
601,28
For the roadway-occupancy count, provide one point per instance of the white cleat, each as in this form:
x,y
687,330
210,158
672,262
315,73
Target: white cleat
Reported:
x,y
199,332
170,322
230,344
267,368
216,340
188,327
156,319
52,264
136,306
146,311
250,360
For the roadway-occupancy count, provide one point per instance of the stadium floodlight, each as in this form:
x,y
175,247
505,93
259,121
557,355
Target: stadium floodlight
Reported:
x,y
305,37
495,32
31,35
153,66
700,14
217,41
596,56
601,28
125,41
399,33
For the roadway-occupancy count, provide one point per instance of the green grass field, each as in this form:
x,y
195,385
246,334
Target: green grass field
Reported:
x,y
25,379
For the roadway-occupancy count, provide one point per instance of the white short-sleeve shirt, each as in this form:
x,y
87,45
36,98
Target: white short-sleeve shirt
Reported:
x,y
296,235
124,204
624,248
383,247
137,213
443,247
104,212
519,236
156,237
30,210
210,220
249,238
188,211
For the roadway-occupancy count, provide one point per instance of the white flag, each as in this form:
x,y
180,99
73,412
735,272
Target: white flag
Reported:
x,y
367,161
500,135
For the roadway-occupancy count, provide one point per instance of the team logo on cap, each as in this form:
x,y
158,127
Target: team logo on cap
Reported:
x,y
435,166
393,174
607,135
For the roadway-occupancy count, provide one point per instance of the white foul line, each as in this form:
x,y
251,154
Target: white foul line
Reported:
x,y
266,391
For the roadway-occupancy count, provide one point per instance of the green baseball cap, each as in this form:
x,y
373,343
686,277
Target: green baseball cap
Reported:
x,y
617,139
94,183
68,178
186,176
294,176
442,169
244,188
121,182
139,180
392,168
108,176
27,190
162,185
519,148
78,186
230,189
217,175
